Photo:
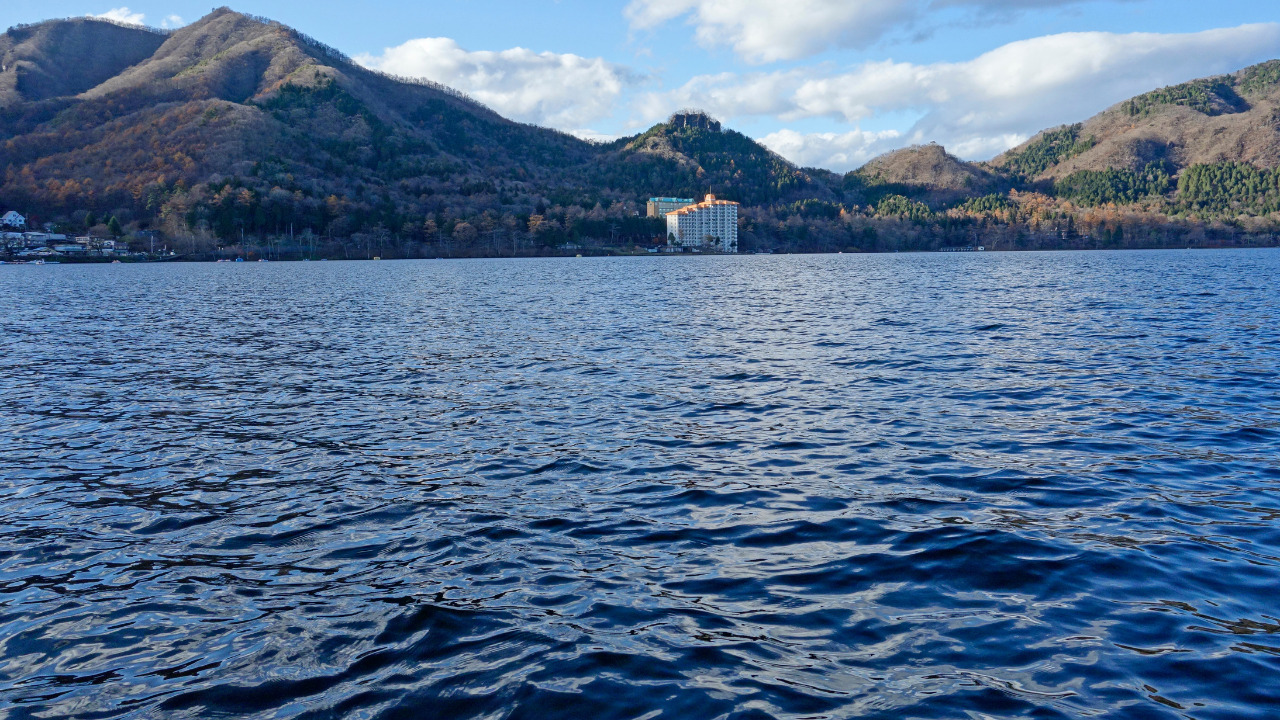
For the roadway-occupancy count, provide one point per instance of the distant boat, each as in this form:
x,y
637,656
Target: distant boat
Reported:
x,y
239,259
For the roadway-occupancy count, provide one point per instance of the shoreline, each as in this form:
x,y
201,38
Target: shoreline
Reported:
x,y
581,256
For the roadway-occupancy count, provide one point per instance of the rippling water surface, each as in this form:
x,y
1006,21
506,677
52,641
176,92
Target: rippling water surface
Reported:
x,y
913,486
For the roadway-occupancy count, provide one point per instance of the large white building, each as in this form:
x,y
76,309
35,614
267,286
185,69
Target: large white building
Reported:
x,y
711,224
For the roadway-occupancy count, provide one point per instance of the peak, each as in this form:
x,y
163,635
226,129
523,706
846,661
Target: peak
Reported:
x,y
694,119
223,12
932,151
927,166
225,16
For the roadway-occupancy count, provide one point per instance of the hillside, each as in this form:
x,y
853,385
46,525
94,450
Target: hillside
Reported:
x,y
927,172
237,125
237,130
67,57
692,161
235,95
1231,118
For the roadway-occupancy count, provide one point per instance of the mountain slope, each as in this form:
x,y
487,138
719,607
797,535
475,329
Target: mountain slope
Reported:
x,y
237,123
67,57
233,95
239,129
690,161
924,171
1231,118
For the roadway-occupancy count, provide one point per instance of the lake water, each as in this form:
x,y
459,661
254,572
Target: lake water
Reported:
x,y
896,486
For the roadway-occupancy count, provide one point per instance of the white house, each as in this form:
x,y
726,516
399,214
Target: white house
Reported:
x,y
711,224
13,220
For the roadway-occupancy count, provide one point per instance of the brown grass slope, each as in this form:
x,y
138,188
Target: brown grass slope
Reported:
x,y
238,97
67,57
1233,117
235,57
231,91
931,169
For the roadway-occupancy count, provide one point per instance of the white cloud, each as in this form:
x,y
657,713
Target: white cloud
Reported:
x,y
122,15
727,95
768,30
843,151
980,107
593,136
764,31
173,21
561,91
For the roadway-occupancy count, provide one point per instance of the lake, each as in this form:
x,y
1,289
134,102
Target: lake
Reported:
x,y
987,485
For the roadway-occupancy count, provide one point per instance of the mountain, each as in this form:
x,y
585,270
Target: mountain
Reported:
x,y
928,171
239,125
234,95
1209,147
1230,118
692,160
68,57
240,130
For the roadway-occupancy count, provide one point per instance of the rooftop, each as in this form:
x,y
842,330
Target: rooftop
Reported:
x,y
711,201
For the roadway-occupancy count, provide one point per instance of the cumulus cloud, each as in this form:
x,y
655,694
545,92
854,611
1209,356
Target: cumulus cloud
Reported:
x,y
831,150
173,21
979,107
122,15
593,136
768,30
561,91
764,31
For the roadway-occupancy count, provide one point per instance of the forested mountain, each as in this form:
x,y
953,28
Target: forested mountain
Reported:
x,y
238,127
1232,118
60,59
928,171
240,131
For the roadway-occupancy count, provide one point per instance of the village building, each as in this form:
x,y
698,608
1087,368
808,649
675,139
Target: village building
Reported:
x,y
660,207
13,220
709,225
38,239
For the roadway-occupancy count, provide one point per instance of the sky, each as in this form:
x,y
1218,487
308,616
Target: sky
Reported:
x,y
825,83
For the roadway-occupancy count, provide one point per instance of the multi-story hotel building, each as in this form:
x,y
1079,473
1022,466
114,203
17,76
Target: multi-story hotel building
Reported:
x,y
711,224
659,207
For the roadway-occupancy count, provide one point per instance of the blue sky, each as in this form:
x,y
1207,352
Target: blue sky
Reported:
x,y
829,83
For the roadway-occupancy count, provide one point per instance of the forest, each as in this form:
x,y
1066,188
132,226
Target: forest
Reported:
x,y
406,205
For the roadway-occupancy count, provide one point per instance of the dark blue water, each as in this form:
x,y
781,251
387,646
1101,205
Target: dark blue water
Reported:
x,y
912,486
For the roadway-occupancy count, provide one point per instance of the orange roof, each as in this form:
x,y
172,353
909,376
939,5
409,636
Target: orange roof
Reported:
x,y
701,206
